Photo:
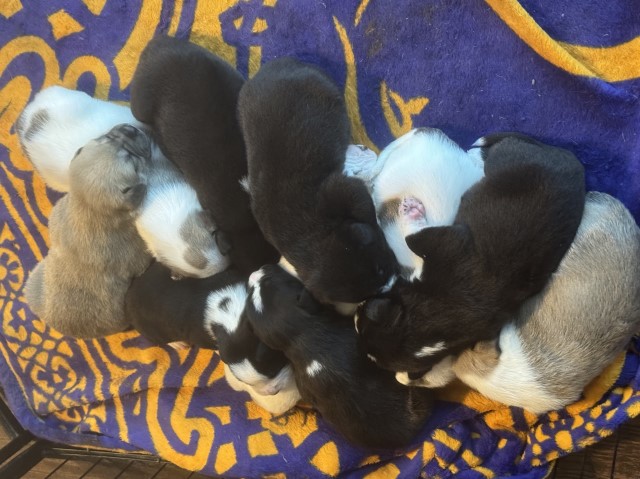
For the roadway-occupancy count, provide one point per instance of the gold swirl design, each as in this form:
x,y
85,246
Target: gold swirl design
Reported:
x,y
612,64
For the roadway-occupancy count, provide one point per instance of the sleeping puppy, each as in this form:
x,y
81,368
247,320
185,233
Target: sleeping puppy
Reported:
x,y
296,129
512,229
95,250
189,97
170,219
209,313
564,337
422,174
58,122
332,372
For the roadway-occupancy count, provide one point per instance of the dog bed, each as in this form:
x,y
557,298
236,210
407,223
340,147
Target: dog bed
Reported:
x,y
565,72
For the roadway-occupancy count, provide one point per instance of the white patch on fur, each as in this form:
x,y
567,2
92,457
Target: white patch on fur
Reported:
x,y
475,152
345,309
372,357
361,162
428,166
512,381
74,118
164,210
278,403
244,182
254,283
288,267
430,350
356,318
440,375
230,318
389,284
314,368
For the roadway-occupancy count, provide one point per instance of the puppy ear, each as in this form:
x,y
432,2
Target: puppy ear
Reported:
x,y
440,241
133,196
361,233
348,198
308,303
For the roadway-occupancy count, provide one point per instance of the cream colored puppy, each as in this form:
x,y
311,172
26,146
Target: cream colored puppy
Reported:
x,y
95,250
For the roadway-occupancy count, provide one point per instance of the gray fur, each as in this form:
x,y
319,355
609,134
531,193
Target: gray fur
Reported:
x,y
95,251
582,320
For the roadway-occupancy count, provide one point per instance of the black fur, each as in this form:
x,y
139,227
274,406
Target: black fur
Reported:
x,y
164,311
510,234
189,97
296,129
364,403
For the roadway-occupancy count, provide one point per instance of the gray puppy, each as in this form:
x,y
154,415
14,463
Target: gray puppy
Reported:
x,y
95,250
564,337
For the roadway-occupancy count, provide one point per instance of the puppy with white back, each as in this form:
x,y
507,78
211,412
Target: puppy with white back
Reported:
x,y
364,403
564,337
189,96
510,233
423,175
209,313
58,122
296,131
95,250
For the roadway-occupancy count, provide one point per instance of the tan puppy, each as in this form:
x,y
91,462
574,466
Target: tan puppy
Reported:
x,y
95,250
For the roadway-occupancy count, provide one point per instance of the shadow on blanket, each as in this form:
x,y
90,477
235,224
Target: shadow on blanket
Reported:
x,y
467,69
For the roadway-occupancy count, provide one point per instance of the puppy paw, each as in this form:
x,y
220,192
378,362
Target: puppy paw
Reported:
x,y
179,345
362,163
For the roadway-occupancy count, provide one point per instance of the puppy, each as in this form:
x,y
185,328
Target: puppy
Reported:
x,y
564,337
511,231
332,372
423,173
296,130
209,313
58,122
170,220
95,250
189,97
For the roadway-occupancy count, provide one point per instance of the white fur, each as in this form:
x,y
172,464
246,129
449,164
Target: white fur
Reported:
x,y
314,368
428,166
430,350
440,375
254,282
362,163
288,267
278,403
512,381
230,318
244,182
164,210
74,119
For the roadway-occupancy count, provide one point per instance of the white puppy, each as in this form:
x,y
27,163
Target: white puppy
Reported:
x,y
177,231
423,174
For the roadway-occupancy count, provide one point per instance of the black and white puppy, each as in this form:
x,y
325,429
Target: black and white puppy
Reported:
x,y
296,130
209,313
512,230
364,403
189,97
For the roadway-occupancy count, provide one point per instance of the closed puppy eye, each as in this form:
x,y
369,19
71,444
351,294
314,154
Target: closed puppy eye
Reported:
x,y
79,150
126,190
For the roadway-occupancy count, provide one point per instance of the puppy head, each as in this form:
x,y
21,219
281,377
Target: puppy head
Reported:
x,y
109,173
179,233
278,306
405,330
265,370
353,261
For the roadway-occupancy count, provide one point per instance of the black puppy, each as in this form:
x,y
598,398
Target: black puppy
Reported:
x,y
208,313
189,97
510,234
296,130
332,372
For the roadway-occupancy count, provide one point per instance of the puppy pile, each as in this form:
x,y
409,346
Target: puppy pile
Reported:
x,y
235,215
